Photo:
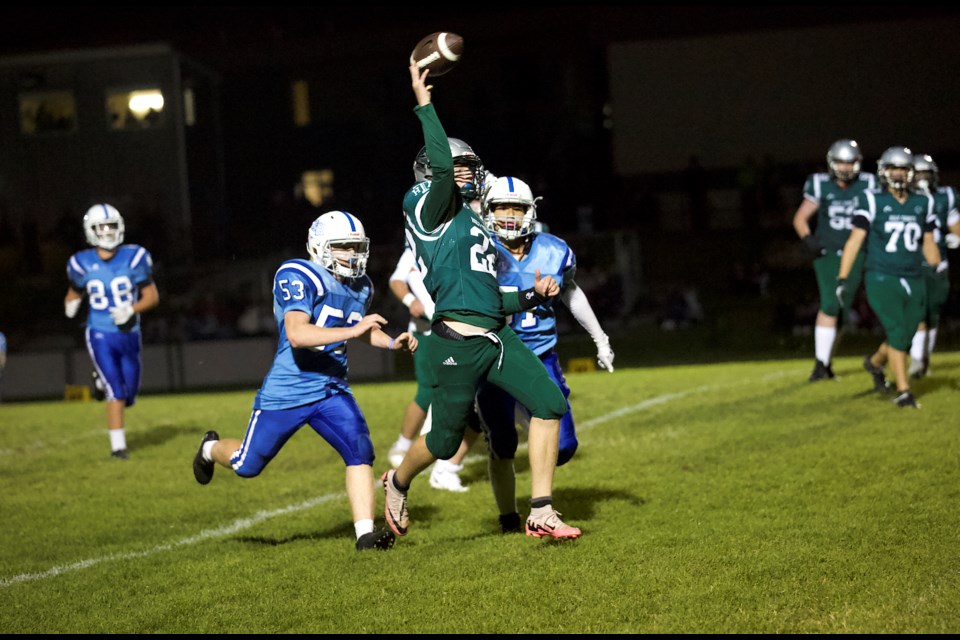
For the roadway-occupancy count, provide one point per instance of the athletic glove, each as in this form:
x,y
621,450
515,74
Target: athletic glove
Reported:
x,y
953,241
841,291
814,245
941,270
70,308
121,315
604,354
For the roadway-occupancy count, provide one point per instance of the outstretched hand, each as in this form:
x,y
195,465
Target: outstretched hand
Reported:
x,y
406,341
419,82
546,287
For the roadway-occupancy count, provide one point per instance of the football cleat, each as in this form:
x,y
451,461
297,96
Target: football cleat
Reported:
x,y
380,540
906,399
510,522
821,371
395,505
203,468
120,454
916,370
447,479
549,523
879,381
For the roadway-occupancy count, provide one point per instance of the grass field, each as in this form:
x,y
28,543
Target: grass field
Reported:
x,y
725,498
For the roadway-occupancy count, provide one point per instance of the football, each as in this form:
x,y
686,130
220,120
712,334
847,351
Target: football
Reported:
x,y
438,52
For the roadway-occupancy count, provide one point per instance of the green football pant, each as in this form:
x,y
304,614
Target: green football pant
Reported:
x,y
900,304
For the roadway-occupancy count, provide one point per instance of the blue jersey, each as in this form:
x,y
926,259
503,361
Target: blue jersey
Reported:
x,y
308,374
110,283
537,327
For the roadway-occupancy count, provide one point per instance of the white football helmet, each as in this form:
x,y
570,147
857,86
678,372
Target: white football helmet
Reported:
x,y
103,226
895,157
510,190
844,151
337,242
462,154
926,176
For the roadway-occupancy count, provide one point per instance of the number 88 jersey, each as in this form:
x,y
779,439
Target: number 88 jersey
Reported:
x,y
110,283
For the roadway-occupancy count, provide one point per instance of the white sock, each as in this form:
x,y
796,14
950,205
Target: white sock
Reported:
x,y
118,441
403,443
932,338
504,482
916,347
363,526
823,338
208,450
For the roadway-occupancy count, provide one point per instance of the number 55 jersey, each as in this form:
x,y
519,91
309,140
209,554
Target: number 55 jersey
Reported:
x,y
835,207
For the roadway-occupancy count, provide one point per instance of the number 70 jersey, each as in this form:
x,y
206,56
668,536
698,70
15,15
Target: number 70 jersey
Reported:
x,y
895,235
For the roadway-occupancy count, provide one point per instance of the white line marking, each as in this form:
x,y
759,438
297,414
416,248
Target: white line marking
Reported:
x,y
209,534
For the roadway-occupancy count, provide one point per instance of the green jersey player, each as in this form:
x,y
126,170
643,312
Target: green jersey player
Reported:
x,y
897,225
830,197
926,179
470,342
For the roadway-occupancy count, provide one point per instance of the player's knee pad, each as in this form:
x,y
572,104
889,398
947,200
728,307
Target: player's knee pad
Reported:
x,y
566,451
550,403
503,443
443,444
360,451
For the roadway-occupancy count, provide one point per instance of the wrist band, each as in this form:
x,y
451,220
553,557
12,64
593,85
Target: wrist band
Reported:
x,y
408,299
392,340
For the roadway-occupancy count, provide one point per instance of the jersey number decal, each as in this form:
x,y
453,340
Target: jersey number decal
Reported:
x,y
910,231
480,260
121,293
332,312
840,216
287,294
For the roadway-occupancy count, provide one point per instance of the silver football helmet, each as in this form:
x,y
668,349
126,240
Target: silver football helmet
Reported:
x,y
926,176
892,158
510,190
337,242
103,226
462,154
844,151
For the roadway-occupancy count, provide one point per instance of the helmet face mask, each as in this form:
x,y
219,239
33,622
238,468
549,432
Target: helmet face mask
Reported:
x,y
926,176
337,242
463,155
847,152
518,208
103,226
890,161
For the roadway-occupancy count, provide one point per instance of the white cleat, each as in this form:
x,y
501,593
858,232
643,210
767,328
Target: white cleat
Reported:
x,y
447,478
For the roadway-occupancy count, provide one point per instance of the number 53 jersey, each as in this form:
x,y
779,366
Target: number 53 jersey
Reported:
x,y
110,283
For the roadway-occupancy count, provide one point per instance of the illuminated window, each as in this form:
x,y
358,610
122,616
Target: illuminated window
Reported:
x,y
300,97
315,187
136,109
46,112
189,107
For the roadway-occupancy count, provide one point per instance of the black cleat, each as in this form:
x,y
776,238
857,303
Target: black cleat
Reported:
x,y
99,391
821,371
906,399
380,540
880,383
510,523
203,469
120,454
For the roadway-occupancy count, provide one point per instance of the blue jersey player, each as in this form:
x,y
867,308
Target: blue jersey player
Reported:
x,y
510,212
116,278
318,305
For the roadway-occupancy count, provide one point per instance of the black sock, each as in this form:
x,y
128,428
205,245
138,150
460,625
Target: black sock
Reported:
x,y
398,486
536,503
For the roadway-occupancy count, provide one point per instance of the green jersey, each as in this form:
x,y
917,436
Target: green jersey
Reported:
x,y
835,207
452,247
945,208
895,231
